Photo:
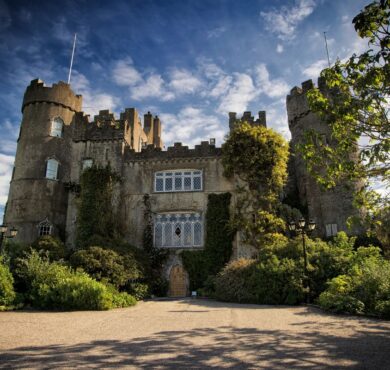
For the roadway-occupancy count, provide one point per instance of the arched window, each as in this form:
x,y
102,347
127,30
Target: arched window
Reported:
x,y
52,169
45,228
56,127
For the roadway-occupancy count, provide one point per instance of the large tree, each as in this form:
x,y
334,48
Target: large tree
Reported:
x,y
356,107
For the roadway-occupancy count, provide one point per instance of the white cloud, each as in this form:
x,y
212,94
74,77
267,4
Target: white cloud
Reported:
x,y
216,32
125,74
272,88
285,20
6,166
93,100
279,48
314,69
183,81
241,92
152,87
190,126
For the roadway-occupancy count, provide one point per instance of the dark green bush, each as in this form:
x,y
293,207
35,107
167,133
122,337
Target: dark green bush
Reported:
x,y
54,247
51,285
7,293
107,265
138,290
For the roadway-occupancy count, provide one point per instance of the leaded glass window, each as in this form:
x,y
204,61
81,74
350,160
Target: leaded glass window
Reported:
x,y
45,228
52,169
180,230
56,127
168,181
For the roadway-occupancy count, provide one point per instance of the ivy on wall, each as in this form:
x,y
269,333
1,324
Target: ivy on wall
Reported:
x,y
218,244
95,218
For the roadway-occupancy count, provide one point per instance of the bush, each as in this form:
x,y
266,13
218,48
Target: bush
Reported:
x,y
138,290
107,265
272,281
365,288
7,293
123,299
54,247
51,285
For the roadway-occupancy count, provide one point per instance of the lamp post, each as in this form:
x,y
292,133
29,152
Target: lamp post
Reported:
x,y
3,230
302,227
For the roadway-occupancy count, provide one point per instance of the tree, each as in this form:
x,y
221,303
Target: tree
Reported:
x,y
355,105
257,156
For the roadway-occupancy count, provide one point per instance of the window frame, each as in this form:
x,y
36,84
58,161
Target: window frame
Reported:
x,y
173,177
89,160
45,228
331,229
54,131
170,222
52,160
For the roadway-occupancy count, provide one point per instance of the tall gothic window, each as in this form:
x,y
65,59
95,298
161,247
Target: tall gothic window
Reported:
x,y
178,180
56,127
178,230
52,169
45,228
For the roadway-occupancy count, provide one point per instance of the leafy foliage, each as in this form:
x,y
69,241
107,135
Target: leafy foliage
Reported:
x,y
258,157
7,293
355,105
107,265
218,245
52,285
54,247
95,219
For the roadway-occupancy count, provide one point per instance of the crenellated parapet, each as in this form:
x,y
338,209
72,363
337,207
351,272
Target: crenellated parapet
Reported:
x,y
204,149
59,94
247,117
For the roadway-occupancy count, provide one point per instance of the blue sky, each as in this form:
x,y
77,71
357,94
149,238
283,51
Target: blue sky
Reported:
x,y
189,61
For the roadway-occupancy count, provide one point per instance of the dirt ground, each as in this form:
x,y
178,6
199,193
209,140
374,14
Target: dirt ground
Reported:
x,y
193,334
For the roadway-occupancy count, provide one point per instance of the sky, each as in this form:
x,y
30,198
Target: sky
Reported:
x,y
188,61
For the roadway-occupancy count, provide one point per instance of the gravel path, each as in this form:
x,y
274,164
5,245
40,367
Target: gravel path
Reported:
x,y
193,334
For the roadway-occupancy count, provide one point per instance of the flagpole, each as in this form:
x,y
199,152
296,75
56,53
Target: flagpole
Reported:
x,y
327,51
71,60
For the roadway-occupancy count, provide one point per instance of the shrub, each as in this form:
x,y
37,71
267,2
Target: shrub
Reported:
x,y
54,247
365,288
7,293
138,290
123,300
55,286
106,265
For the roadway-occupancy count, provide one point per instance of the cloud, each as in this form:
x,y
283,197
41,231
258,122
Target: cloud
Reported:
x,y
190,126
272,88
279,48
6,166
152,87
239,94
313,70
216,32
125,74
183,81
284,21
93,100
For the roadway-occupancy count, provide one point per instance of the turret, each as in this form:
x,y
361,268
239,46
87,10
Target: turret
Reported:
x,y
247,117
37,199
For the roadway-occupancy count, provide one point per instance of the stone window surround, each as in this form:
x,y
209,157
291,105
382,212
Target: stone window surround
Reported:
x,y
179,175
190,224
52,173
56,127
45,227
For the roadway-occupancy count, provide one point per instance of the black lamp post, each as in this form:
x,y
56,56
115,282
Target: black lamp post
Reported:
x,y
302,227
3,230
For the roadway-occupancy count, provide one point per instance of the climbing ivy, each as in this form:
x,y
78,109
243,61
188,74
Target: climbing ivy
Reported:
x,y
218,244
95,218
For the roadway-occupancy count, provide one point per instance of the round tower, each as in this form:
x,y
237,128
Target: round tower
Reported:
x,y
37,201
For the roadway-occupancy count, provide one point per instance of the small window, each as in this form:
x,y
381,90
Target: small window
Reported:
x,y
56,127
45,228
167,181
87,163
52,169
331,229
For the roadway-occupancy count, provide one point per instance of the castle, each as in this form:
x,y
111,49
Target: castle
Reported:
x,y
57,141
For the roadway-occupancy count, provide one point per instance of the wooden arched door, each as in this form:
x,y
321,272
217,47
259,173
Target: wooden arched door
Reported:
x,y
177,282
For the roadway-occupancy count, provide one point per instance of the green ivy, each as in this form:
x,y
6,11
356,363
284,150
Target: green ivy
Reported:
x,y
95,218
218,245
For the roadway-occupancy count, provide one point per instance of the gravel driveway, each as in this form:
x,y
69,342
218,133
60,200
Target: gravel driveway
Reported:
x,y
194,334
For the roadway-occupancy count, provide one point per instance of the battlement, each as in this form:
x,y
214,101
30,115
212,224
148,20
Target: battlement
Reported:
x,y
247,117
178,150
60,94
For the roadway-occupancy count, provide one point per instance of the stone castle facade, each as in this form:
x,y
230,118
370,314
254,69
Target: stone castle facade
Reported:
x,y
57,141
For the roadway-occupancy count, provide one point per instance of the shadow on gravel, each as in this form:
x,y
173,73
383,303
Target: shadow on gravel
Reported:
x,y
236,348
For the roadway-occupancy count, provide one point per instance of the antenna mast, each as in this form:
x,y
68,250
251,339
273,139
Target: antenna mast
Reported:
x,y
71,60
327,51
